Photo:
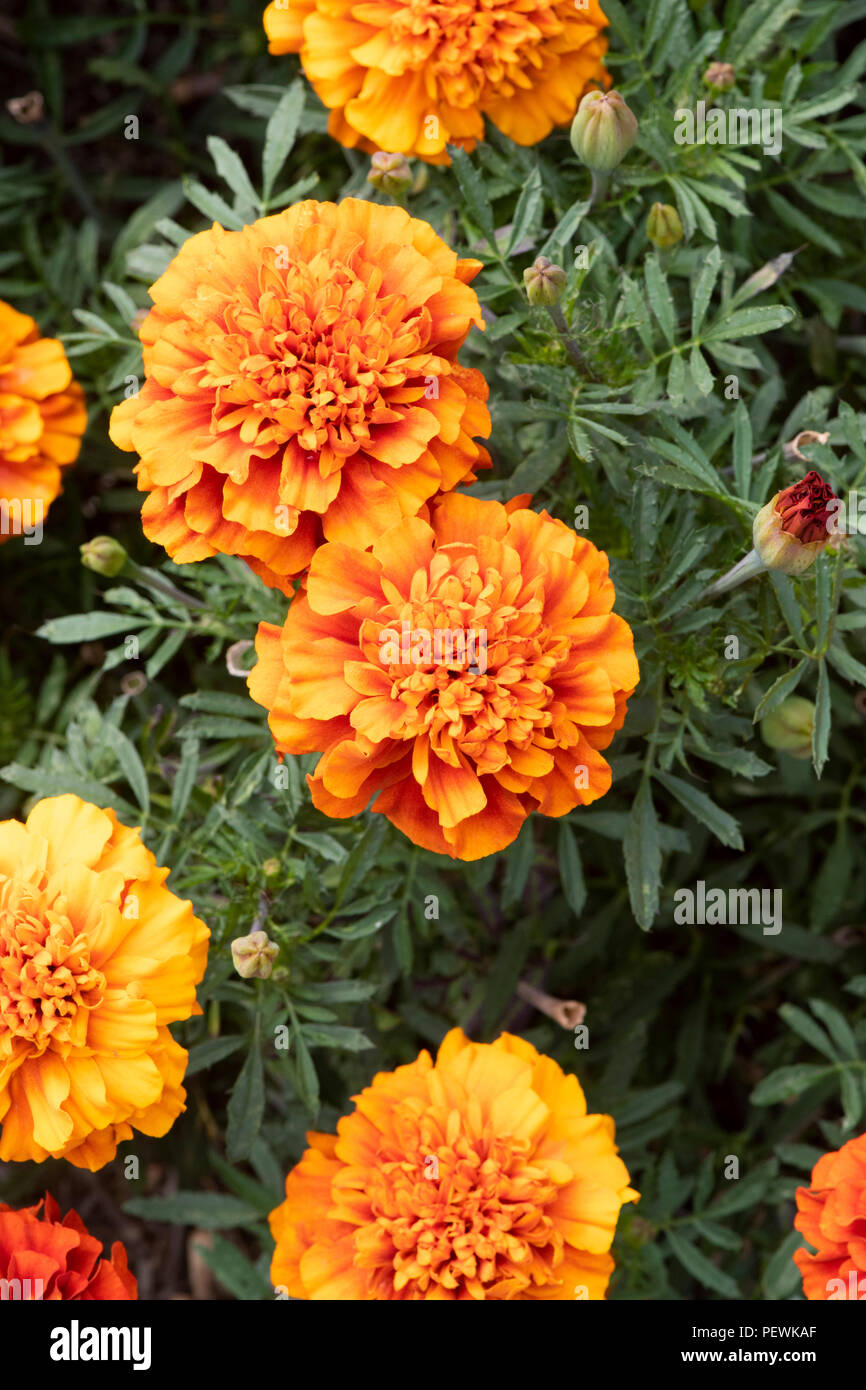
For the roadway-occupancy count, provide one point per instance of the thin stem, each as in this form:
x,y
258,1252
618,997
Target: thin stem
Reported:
x,y
568,341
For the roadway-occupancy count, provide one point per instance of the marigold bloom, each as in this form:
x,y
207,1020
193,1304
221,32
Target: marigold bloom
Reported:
x,y
97,957
42,419
411,76
480,1176
831,1214
52,1259
302,378
468,670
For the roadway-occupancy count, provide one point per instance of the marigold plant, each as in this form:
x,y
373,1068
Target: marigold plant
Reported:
x,y
412,78
831,1213
466,671
302,381
45,1258
97,958
42,419
478,1176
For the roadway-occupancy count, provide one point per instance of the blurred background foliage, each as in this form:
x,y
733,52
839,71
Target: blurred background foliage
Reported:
x,y
706,1043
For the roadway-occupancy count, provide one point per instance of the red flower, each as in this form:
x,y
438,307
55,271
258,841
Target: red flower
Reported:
x,y
52,1259
804,508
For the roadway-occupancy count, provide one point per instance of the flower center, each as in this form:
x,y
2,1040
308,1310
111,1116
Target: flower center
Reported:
x,y
313,357
46,977
469,44
469,660
456,1206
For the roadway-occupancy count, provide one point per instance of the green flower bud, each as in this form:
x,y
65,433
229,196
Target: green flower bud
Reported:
x,y
254,955
544,282
603,131
391,173
720,76
663,226
789,727
105,555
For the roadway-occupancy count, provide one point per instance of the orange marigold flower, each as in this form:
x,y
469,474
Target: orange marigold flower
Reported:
x,y
302,379
410,76
97,957
831,1214
42,419
52,1259
478,1176
468,670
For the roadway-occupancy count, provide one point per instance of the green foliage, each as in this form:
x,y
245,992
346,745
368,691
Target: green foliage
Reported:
x,y
667,407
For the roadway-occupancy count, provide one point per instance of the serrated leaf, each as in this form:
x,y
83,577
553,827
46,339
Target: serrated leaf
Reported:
x,y
701,374
852,1100
837,1026
246,1106
212,205
782,1276
704,286
699,805
206,1054
781,688
810,1031
230,168
746,323
527,211
643,859
659,296
787,1082
823,720
571,870
305,1071
474,191
280,135
211,1210
700,1268
742,450
88,627
237,1275
130,763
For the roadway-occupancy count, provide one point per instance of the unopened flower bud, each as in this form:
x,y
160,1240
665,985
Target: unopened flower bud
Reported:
x,y
27,110
271,867
544,282
254,955
663,226
789,727
603,131
789,533
793,528
390,172
105,555
720,76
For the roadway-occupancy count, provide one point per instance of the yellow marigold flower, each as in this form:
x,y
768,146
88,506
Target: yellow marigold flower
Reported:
x,y
97,958
478,1176
302,380
468,670
412,77
42,419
